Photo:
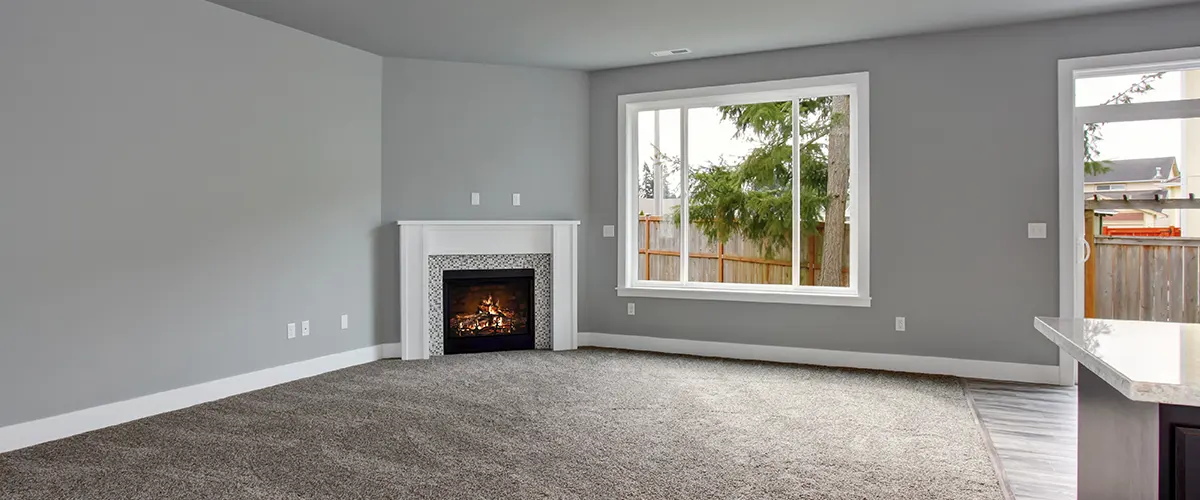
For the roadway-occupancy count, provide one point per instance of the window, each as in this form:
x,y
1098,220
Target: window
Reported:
x,y
756,192
1110,187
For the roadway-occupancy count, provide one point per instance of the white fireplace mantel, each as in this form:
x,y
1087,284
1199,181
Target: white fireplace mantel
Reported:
x,y
420,239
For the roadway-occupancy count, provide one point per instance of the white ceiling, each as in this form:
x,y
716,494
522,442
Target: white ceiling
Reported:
x,y
597,34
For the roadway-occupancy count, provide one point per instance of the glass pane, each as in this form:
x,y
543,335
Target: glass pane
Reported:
x,y
740,161
825,163
1138,88
1138,161
660,181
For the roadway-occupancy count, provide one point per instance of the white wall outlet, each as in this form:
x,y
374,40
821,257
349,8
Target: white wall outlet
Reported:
x,y
474,198
610,231
291,330
304,328
631,309
900,323
516,199
1037,230
345,321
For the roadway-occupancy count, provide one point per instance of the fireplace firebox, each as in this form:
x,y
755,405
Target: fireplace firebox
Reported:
x,y
488,310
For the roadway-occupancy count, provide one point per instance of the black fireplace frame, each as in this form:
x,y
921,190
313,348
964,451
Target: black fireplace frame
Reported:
x,y
488,343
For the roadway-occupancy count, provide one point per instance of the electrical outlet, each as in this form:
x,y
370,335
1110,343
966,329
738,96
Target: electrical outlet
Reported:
x,y
516,199
1037,230
304,328
291,330
474,198
610,231
900,323
345,321
631,309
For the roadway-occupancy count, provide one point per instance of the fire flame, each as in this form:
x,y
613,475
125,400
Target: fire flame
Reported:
x,y
490,318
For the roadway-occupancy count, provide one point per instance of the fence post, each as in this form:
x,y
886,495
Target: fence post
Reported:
x,y
721,262
812,259
1089,267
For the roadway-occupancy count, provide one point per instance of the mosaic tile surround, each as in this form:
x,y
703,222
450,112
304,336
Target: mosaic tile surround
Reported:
x,y
542,279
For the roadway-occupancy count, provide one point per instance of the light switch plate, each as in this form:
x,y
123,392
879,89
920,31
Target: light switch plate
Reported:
x,y
1037,230
900,324
516,199
610,231
304,328
291,330
474,198
631,309
345,321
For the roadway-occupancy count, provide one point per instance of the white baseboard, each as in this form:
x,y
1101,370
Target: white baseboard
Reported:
x,y
966,368
392,351
27,434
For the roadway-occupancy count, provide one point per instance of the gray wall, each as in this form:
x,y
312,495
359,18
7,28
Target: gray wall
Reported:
x,y
964,154
451,129
179,181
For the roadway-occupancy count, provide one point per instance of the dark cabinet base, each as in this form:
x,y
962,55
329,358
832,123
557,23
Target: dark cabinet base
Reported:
x,y
1179,452
1134,450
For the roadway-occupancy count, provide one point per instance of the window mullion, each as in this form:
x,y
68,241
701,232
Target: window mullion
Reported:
x,y
797,233
685,223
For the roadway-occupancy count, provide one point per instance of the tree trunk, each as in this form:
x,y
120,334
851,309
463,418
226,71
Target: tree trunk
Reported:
x,y
839,192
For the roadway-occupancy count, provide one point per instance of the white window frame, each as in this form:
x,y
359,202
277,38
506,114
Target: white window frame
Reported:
x,y
1103,188
1072,247
856,85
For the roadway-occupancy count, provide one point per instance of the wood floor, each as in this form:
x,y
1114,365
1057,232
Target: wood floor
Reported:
x,y
1033,429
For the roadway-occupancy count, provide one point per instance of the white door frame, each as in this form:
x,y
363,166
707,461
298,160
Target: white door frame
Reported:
x,y
1070,156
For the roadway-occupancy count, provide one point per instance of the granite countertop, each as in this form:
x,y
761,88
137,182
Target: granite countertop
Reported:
x,y
1146,361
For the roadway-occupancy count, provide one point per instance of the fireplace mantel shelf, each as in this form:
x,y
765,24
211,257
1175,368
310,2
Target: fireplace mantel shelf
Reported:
x,y
487,222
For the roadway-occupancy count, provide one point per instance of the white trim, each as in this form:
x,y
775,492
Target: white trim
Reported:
x,y
1136,112
565,275
797,229
420,239
700,292
744,93
856,85
15,437
966,368
391,351
1134,63
498,240
1070,154
685,202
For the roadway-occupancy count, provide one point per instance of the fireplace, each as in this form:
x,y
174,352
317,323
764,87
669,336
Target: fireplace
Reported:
x,y
488,310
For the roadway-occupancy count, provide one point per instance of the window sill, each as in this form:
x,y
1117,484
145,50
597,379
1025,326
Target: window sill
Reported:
x,y
766,297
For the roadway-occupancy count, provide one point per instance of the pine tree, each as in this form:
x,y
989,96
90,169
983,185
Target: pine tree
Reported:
x,y
753,198
838,193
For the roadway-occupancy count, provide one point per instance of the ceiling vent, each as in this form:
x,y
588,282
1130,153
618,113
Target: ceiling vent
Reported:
x,y
672,52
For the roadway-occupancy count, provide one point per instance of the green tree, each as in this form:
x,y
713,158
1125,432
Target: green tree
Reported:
x,y
753,198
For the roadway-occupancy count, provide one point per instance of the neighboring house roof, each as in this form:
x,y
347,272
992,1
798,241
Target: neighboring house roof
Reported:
x,y
1142,169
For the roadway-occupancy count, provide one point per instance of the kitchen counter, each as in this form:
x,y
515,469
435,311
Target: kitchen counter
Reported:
x,y
1146,361
1139,406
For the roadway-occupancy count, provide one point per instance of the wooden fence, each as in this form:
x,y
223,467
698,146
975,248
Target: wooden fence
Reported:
x,y
1149,279
737,261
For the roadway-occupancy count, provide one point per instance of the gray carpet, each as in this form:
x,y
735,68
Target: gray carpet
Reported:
x,y
586,424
